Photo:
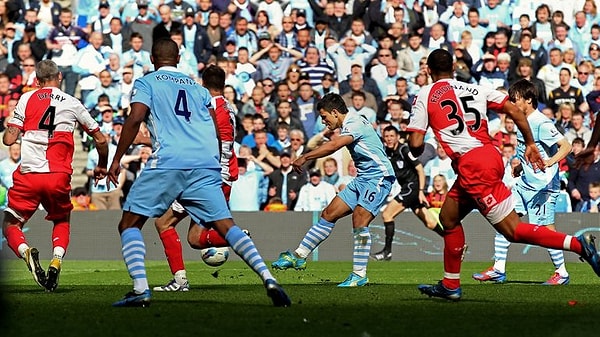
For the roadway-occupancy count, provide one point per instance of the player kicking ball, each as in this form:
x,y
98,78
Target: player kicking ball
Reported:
x,y
456,112
362,197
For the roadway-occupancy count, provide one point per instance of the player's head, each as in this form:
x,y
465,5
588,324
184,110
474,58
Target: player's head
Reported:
x,y
213,78
440,63
47,71
333,110
165,52
523,89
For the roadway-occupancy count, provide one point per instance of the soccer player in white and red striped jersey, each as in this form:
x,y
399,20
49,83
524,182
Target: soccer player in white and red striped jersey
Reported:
x,y
214,81
47,118
456,112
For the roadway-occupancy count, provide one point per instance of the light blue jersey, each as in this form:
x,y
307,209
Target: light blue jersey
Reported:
x,y
181,129
366,149
545,136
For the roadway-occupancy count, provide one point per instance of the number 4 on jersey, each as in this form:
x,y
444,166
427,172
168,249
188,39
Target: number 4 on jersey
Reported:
x,y
47,121
181,106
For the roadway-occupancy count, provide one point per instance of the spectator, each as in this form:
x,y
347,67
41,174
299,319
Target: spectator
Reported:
x,y
356,83
268,19
245,72
118,39
258,105
347,178
591,205
284,111
327,85
179,9
580,179
81,200
89,63
474,26
6,94
565,93
276,66
38,46
307,103
15,69
320,33
315,194
144,24
550,73
105,197
163,29
524,70
245,191
330,171
358,106
436,38
264,153
125,86
107,88
7,168
439,191
440,165
297,147
101,23
577,129
488,75
314,66
285,183
347,53
583,80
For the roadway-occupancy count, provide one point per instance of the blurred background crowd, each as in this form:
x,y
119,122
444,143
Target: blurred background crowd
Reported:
x,y
280,57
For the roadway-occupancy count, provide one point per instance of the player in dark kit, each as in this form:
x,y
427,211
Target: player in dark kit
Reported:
x,y
411,180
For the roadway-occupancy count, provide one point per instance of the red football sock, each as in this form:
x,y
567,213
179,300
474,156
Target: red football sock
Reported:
x,y
212,238
60,235
454,243
14,237
542,236
173,250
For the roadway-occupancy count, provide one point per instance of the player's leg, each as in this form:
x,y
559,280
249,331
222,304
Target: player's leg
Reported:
x,y
317,233
451,215
204,202
23,200
392,210
56,200
516,231
369,197
165,226
144,202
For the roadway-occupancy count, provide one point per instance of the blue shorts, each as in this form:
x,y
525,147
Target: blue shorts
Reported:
x,y
197,190
369,193
538,205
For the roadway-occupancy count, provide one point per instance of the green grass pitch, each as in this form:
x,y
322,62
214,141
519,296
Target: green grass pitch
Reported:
x,y
234,303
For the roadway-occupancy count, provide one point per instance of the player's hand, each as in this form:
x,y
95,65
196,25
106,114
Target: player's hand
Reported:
x,y
113,174
423,199
584,158
99,174
533,156
298,163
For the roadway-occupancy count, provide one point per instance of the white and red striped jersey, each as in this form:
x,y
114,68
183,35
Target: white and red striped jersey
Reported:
x,y
226,126
457,114
47,118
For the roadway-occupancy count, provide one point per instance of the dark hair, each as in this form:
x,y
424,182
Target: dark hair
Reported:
x,y
136,35
165,49
213,78
525,90
358,93
565,69
390,128
332,101
440,62
578,140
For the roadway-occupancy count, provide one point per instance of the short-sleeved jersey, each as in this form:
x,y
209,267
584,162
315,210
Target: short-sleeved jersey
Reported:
x,y
47,118
456,112
367,149
226,125
181,128
404,164
545,136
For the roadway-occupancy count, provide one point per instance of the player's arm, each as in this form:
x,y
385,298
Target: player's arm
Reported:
x,y
102,146
532,154
11,135
564,148
322,151
130,130
416,143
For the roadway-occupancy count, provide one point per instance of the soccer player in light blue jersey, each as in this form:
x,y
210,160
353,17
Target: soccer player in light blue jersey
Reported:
x,y
535,190
362,197
184,165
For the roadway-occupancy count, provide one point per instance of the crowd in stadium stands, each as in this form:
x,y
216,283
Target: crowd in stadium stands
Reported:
x,y
280,57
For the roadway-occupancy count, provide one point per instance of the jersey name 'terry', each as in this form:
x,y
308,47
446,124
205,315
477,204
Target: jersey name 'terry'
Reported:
x,y
178,80
44,95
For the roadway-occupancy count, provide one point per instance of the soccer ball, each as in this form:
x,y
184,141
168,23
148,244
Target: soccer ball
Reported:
x,y
215,256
